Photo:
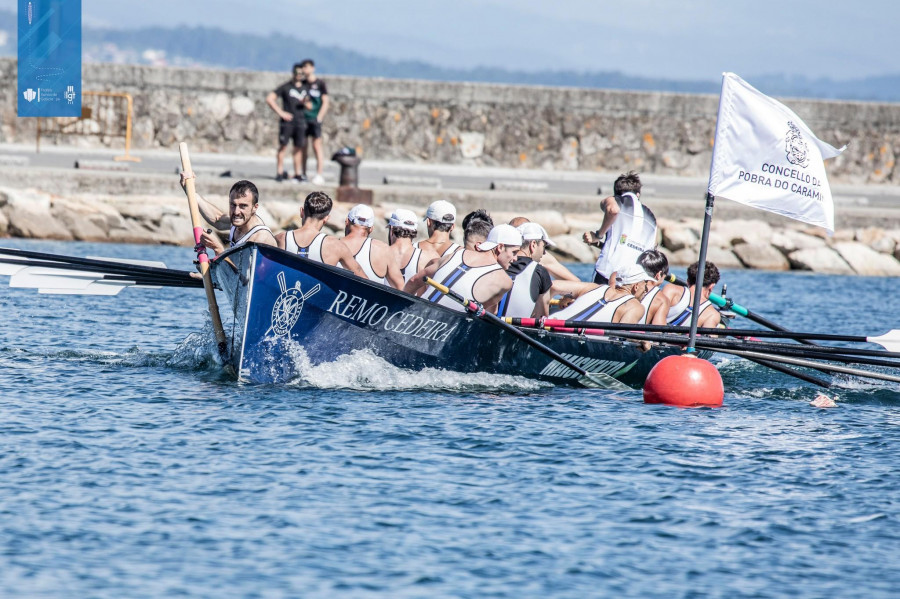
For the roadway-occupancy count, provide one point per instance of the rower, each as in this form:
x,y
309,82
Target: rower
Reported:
x,y
245,225
548,260
530,293
402,230
681,299
373,255
310,242
656,304
476,232
598,303
640,283
628,228
478,275
440,219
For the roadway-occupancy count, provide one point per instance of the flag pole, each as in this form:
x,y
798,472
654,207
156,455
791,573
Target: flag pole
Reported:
x,y
701,270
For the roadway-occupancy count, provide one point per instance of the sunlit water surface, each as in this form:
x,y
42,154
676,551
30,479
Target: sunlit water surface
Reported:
x,y
131,467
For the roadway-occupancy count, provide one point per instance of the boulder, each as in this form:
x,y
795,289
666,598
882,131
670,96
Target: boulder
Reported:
x,y
282,212
34,221
174,229
722,258
869,235
823,259
132,232
571,247
762,256
677,237
743,231
554,222
866,261
242,105
83,225
683,257
790,240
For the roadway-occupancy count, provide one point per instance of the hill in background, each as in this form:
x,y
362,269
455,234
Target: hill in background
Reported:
x,y
211,47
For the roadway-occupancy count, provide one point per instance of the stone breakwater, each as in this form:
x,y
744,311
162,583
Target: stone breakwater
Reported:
x,y
457,123
734,243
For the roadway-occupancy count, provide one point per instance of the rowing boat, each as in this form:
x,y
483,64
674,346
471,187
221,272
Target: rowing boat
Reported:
x,y
283,304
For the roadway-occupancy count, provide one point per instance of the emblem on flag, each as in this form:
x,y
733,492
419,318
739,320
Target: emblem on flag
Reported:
x,y
796,148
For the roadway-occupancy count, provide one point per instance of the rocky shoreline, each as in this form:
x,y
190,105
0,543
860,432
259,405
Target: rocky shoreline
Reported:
x,y
734,243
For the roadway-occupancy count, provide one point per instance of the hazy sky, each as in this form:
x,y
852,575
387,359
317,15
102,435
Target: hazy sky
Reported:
x,y
695,39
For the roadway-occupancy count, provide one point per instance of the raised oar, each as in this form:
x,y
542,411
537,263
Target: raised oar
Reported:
x,y
724,302
218,329
588,379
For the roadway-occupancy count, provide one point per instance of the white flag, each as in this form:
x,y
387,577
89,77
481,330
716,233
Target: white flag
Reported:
x,y
766,157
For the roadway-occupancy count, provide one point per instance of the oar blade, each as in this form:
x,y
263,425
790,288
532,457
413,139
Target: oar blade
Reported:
x,y
889,341
600,380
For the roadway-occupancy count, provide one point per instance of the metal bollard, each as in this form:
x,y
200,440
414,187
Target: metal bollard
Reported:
x,y
349,162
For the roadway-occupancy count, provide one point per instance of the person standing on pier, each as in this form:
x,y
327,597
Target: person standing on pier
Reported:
x,y
291,124
316,104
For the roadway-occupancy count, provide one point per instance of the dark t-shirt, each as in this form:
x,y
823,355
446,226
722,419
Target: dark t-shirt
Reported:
x,y
315,91
292,97
540,281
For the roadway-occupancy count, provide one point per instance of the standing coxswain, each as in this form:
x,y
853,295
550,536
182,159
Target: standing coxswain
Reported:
x,y
628,228
245,225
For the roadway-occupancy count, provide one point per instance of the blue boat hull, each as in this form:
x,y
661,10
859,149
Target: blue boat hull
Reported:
x,y
284,305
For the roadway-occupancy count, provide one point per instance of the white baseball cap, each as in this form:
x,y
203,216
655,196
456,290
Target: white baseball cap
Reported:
x,y
362,215
403,219
634,273
533,232
441,211
501,235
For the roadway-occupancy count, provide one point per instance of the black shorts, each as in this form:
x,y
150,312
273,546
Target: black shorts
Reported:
x,y
292,130
313,129
600,279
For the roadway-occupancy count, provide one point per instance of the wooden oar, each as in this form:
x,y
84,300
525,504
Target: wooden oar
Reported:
x,y
588,379
218,329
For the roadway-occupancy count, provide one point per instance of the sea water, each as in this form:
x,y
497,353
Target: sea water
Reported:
x,y
130,466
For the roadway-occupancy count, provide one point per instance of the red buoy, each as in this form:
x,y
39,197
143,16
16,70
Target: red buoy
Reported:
x,y
684,381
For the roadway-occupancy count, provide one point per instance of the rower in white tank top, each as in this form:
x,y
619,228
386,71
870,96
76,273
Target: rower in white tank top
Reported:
x,y
633,231
232,242
460,277
648,299
680,313
593,306
450,249
517,301
364,257
313,251
411,268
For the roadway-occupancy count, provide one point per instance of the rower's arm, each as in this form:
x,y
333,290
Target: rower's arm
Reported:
x,y
345,258
212,214
576,288
279,239
394,276
417,283
610,212
542,306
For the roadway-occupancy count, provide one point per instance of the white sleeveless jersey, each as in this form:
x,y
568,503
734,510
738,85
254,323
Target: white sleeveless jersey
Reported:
x,y
412,267
633,232
592,306
364,257
452,248
460,277
232,242
680,313
518,301
648,299
313,251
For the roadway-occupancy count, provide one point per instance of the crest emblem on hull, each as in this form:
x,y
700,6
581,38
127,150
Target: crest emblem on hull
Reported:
x,y
795,147
289,305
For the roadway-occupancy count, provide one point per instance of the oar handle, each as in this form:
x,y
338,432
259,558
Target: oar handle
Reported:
x,y
477,309
190,190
